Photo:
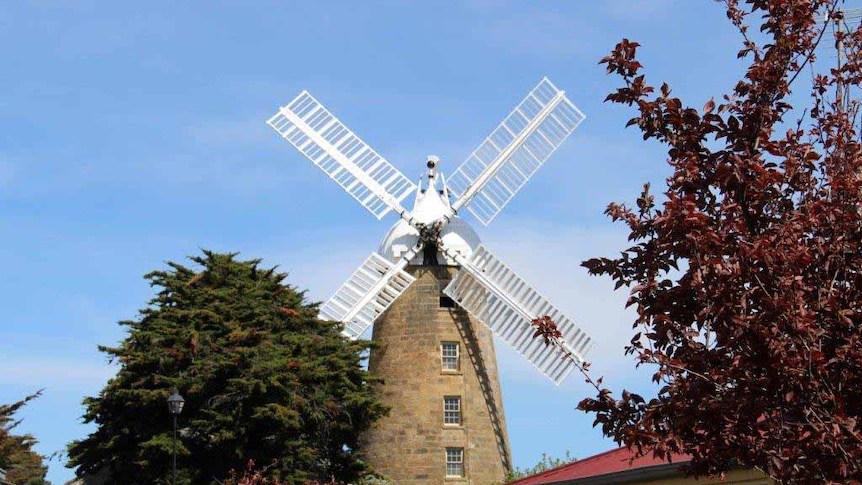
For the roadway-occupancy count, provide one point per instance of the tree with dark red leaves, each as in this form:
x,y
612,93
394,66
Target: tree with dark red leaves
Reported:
x,y
745,275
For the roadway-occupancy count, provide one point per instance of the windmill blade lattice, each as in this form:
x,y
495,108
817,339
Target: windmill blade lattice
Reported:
x,y
342,155
512,153
500,299
368,292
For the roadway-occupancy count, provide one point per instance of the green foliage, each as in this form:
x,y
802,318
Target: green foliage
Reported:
x,y
546,463
23,465
262,377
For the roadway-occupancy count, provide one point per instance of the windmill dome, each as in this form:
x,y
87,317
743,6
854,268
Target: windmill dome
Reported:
x,y
430,206
456,236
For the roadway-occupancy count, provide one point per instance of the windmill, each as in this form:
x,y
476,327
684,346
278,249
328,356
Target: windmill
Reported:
x,y
839,23
435,294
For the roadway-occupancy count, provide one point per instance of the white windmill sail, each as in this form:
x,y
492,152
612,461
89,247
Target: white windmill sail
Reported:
x,y
367,293
497,297
342,155
512,153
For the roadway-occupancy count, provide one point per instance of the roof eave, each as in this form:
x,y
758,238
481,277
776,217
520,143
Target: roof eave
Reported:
x,y
626,476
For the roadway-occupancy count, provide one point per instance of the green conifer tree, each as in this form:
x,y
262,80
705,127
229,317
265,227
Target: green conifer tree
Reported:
x,y
22,464
262,377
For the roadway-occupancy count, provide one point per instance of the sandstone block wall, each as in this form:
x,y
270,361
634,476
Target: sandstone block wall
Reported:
x,y
409,446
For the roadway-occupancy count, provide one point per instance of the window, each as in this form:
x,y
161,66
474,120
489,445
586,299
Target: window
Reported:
x,y
452,410
454,462
449,355
445,300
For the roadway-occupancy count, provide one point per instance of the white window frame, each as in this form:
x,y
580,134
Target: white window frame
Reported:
x,y
455,462
452,410
446,360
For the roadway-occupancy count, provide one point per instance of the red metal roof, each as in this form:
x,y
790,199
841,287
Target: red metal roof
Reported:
x,y
611,461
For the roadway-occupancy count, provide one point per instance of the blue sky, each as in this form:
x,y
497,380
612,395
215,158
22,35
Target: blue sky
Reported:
x,y
132,133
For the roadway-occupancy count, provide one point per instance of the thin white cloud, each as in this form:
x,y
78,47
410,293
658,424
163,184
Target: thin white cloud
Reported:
x,y
641,10
7,173
538,32
233,132
68,374
541,34
320,259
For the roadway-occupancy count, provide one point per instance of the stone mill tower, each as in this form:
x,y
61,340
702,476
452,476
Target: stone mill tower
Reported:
x,y
435,296
439,369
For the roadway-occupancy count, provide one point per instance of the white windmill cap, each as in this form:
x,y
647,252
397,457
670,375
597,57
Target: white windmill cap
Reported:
x,y
457,235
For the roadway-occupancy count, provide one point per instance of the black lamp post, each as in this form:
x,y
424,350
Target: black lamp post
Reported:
x,y
175,406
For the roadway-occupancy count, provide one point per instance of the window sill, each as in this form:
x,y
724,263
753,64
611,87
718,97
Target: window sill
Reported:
x,y
446,372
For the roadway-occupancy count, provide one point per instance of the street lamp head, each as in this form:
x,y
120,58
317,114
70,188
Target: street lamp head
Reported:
x,y
175,406
175,403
